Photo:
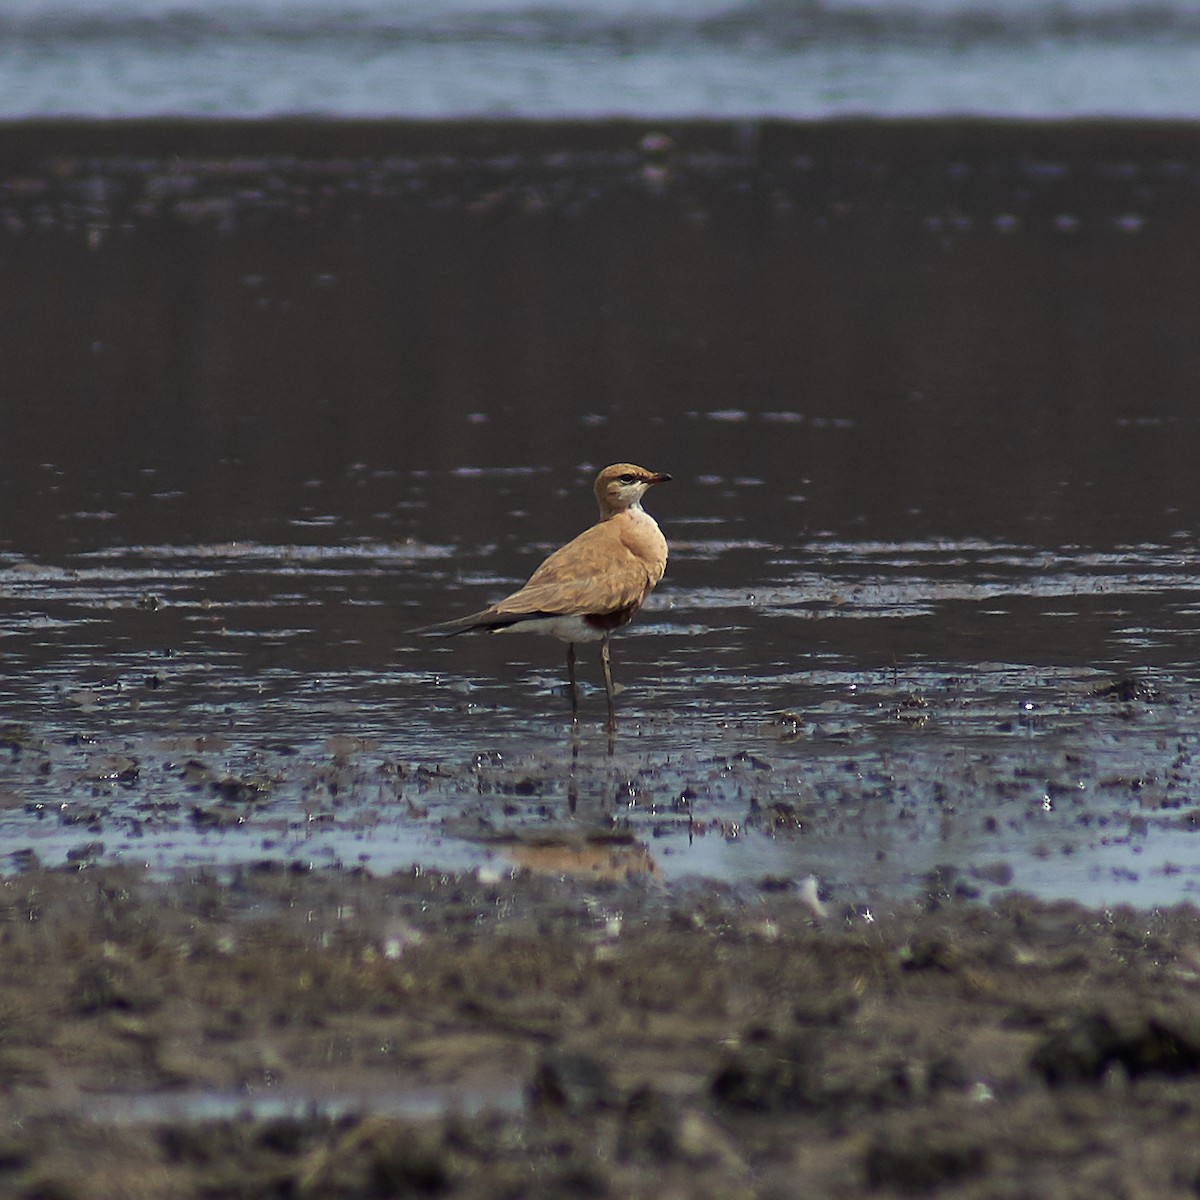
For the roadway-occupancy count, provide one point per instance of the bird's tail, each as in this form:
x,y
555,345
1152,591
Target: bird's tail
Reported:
x,y
450,628
486,621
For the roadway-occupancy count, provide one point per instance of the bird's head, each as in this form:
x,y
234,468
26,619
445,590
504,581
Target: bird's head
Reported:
x,y
623,485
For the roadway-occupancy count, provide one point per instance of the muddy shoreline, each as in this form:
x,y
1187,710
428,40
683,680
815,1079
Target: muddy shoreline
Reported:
x,y
292,1033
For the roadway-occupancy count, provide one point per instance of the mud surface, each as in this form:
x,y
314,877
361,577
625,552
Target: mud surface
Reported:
x,y
280,1033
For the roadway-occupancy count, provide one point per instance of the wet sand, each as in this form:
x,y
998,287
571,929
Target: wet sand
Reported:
x,y
294,905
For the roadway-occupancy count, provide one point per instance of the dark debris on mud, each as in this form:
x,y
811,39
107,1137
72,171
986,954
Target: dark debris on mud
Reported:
x,y
598,1039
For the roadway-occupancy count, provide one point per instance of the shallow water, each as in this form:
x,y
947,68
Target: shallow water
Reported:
x,y
929,617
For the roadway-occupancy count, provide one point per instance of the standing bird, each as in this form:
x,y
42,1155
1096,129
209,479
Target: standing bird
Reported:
x,y
593,585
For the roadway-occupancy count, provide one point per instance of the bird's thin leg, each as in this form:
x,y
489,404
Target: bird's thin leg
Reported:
x,y
606,659
571,683
572,787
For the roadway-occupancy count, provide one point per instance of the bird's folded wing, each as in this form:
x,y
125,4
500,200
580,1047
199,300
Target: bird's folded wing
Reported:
x,y
585,576
574,598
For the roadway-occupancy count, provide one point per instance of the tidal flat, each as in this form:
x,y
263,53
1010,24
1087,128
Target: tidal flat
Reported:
x,y
886,880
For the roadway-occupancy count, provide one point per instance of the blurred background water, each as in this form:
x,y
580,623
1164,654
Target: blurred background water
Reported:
x,y
794,58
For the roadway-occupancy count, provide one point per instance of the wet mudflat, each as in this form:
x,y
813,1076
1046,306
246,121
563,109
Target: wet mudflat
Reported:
x,y
282,1033
277,393
300,885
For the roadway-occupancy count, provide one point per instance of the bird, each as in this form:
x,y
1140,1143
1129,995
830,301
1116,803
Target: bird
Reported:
x,y
592,586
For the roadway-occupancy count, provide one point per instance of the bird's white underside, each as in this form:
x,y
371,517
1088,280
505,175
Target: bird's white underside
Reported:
x,y
566,629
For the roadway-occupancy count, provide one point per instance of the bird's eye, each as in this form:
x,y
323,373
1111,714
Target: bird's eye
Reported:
x,y
629,479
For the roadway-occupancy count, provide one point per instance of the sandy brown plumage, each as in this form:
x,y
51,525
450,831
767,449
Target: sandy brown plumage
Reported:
x,y
594,584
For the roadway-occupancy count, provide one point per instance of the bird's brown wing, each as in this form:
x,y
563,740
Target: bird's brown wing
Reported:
x,y
594,573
